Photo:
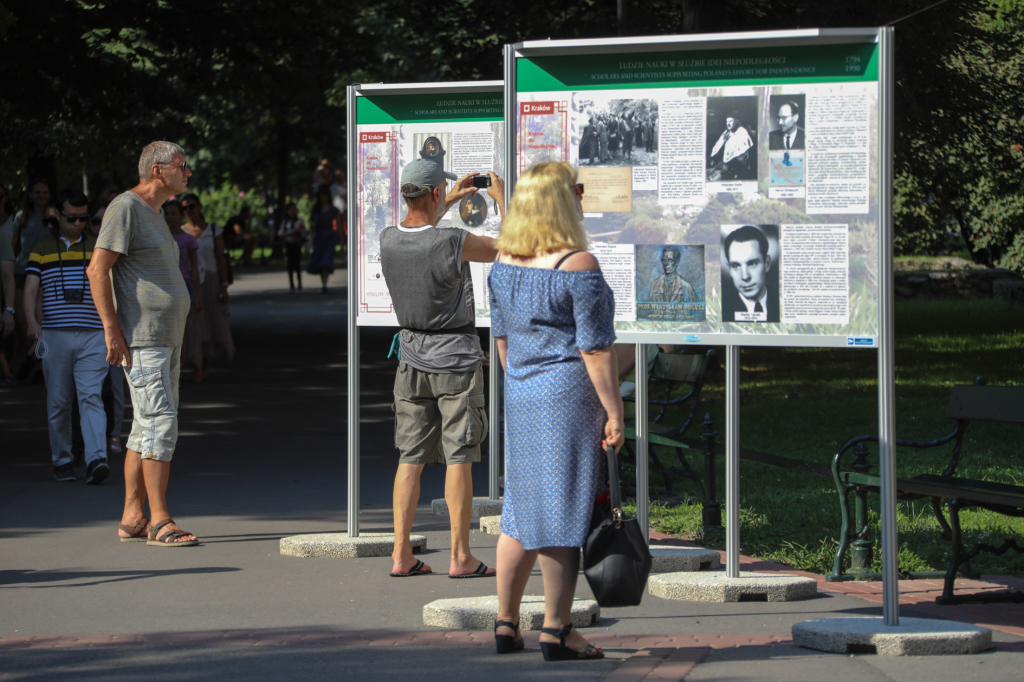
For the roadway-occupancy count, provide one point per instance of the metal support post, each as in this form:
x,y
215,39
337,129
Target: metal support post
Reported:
x,y
353,328
497,437
886,366
732,461
642,478
711,514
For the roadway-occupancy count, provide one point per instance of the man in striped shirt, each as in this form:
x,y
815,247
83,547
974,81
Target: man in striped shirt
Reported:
x,y
72,333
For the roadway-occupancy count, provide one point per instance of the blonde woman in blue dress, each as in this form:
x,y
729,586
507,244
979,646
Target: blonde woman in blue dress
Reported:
x,y
552,315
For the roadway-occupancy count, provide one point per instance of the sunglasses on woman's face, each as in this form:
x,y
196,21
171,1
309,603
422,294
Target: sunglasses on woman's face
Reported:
x,y
187,207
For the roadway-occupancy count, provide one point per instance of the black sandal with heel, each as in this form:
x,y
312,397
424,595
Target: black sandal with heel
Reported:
x,y
560,652
505,644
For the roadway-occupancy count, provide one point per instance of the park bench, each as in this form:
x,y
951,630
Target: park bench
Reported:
x,y
670,417
981,403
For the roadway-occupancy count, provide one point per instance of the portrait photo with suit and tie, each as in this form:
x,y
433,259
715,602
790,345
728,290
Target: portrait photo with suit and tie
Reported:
x,y
750,273
786,122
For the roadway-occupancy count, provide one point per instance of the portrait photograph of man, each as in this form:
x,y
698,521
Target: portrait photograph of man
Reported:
x,y
750,273
730,135
670,282
785,122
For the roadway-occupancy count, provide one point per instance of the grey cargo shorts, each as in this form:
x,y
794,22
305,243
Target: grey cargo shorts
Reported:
x,y
439,418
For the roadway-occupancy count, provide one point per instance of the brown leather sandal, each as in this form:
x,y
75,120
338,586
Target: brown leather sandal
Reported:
x,y
136,533
168,538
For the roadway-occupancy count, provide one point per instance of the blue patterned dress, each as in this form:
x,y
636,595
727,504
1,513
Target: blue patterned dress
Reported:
x,y
553,417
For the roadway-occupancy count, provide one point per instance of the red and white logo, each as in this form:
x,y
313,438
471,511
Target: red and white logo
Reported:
x,y
536,108
373,137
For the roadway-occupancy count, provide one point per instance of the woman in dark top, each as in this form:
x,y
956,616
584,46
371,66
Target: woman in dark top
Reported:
x,y
325,220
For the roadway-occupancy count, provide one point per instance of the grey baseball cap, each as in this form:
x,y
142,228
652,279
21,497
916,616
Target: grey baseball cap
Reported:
x,y
424,174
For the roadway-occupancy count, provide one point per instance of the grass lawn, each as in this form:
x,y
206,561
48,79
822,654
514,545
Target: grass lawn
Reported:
x,y
805,403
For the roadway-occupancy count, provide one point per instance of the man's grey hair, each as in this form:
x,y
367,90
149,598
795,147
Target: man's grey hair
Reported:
x,y
159,152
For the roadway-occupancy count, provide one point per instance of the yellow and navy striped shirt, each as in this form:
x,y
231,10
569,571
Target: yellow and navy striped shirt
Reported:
x,y
60,267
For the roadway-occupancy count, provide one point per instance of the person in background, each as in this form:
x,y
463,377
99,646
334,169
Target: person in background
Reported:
x,y
293,232
29,229
325,219
238,234
113,385
552,318
210,339
6,214
188,263
74,364
7,324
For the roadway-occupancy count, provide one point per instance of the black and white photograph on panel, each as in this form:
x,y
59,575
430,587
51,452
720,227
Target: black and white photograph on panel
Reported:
x,y
730,138
750,273
434,147
618,132
786,122
670,282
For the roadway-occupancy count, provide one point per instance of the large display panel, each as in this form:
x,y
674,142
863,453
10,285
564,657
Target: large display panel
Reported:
x,y
731,190
458,125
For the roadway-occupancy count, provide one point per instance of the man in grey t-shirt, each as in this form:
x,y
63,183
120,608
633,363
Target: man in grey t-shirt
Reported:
x,y
143,313
440,414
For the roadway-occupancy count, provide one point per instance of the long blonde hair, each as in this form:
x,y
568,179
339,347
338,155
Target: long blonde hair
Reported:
x,y
543,216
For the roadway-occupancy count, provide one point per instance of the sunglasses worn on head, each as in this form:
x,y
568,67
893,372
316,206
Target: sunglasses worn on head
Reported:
x,y
80,218
579,188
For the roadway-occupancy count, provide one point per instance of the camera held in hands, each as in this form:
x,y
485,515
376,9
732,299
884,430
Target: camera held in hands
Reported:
x,y
481,181
74,295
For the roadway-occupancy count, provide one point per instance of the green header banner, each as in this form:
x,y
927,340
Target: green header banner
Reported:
x,y
430,108
700,69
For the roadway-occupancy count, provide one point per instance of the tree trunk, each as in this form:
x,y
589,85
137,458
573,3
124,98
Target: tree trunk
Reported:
x,y
701,16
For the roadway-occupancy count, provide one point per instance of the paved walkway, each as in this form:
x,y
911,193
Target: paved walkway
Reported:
x,y
262,456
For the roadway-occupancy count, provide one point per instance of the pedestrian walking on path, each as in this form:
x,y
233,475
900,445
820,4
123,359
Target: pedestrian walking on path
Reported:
x,y
136,265
72,334
552,317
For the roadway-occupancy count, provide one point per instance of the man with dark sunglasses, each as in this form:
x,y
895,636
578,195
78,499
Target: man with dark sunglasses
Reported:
x,y
75,360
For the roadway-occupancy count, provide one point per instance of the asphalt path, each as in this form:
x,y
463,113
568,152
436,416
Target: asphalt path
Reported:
x,y
262,455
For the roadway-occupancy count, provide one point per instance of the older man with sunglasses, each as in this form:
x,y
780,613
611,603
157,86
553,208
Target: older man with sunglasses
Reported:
x,y
144,326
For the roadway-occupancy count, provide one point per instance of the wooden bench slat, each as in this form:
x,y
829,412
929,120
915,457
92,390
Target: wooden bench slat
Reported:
x,y
947,487
987,404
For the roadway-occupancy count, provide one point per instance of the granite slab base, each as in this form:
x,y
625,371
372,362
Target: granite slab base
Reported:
x,y
667,559
490,525
482,506
340,545
479,613
912,637
715,586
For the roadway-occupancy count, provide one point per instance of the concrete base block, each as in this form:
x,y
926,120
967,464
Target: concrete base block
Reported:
x,y
482,506
912,637
491,525
715,586
684,559
479,613
340,545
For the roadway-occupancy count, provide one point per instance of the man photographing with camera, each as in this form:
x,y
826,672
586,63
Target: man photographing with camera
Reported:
x,y
72,334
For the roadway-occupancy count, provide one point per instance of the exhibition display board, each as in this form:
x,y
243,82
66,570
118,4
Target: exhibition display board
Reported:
x,y
767,143
460,126
737,192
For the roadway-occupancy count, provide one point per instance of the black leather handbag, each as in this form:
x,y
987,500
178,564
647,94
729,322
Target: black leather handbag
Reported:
x,y
616,560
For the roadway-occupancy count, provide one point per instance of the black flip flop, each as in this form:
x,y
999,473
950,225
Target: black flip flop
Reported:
x,y
480,572
415,570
